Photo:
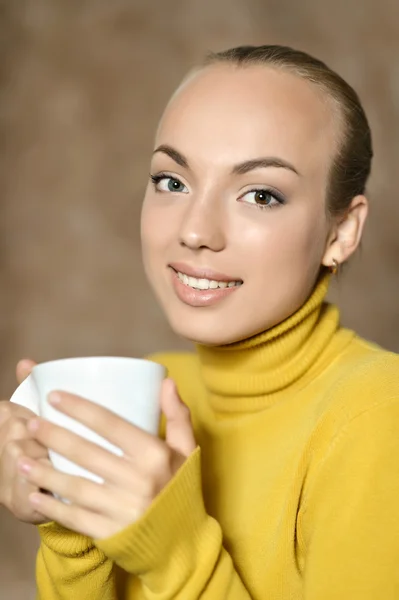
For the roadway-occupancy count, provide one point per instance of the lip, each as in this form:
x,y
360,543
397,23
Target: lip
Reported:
x,y
202,272
199,298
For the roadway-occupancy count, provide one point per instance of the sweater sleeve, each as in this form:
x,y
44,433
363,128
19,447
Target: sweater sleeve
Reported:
x,y
70,566
350,523
176,547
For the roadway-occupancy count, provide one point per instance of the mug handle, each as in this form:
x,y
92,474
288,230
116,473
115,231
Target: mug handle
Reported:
x,y
26,395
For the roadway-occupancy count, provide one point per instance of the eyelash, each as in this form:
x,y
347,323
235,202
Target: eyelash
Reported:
x,y
156,179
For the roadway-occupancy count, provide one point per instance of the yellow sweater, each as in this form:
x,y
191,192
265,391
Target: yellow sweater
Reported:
x,y
292,494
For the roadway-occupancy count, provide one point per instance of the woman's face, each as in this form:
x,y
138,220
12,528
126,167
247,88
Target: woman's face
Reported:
x,y
234,225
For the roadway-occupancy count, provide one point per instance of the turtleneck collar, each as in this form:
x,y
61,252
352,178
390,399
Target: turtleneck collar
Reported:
x,y
260,367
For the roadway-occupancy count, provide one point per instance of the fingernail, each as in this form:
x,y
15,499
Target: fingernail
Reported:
x,y
25,467
33,424
54,398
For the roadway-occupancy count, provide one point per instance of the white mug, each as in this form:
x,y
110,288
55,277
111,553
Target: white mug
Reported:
x,y
129,387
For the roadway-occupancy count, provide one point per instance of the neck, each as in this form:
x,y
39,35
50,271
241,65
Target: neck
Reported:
x,y
261,367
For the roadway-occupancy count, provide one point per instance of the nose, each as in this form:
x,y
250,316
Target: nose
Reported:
x,y
203,225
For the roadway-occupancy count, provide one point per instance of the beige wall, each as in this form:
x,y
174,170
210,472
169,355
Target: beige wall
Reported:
x,y
82,85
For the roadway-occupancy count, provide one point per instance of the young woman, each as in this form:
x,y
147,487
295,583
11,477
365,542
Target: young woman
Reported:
x,y
282,482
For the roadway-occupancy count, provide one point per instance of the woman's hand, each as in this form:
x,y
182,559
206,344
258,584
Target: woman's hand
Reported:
x,y
16,441
131,481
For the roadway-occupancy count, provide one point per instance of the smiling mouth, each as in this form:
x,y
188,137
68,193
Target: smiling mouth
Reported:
x,y
205,284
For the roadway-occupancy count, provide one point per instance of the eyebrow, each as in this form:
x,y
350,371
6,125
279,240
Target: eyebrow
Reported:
x,y
239,169
173,154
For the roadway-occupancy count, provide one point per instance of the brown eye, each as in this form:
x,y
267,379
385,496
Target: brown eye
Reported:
x,y
262,198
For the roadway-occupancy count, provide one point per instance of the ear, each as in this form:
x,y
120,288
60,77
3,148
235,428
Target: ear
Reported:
x,y
346,233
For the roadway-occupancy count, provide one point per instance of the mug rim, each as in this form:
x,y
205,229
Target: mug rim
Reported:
x,y
100,359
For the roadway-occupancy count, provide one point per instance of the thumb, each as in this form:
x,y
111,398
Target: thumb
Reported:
x,y
24,367
179,430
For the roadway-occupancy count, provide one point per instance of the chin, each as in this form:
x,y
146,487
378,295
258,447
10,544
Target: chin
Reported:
x,y
201,338
212,333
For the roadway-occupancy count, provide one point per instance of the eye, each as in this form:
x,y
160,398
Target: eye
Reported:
x,y
166,183
263,198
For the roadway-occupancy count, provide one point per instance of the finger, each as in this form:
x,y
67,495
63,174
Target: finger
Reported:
x,y
73,517
28,447
14,429
12,452
110,467
76,489
20,505
118,505
14,488
118,431
9,409
24,368
179,429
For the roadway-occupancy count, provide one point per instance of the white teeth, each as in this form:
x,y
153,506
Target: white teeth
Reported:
x,y
205,284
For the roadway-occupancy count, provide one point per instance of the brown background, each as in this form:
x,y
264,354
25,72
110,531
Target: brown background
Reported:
x,y
82,86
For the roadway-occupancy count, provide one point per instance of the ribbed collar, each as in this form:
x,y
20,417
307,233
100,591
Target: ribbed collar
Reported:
x,y
244,376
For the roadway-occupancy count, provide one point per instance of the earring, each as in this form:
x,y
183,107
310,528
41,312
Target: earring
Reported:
x,y
334,266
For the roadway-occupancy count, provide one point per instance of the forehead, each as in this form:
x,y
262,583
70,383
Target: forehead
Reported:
x,y
225,113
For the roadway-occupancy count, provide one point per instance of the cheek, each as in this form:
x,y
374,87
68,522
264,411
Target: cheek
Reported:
x,y
302,234
153,234
282,241
152,242
307,239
